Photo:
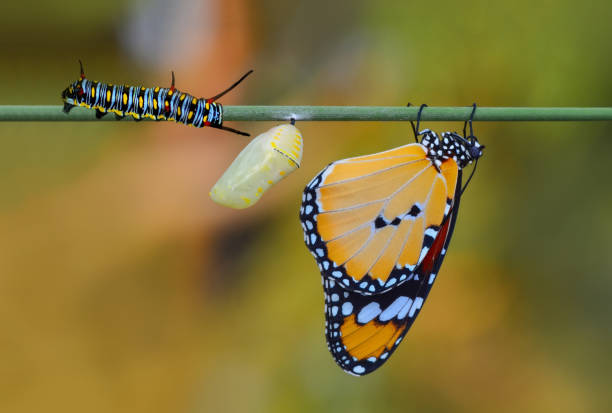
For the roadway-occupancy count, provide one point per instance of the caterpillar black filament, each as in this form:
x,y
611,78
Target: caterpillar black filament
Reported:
x,y
156,103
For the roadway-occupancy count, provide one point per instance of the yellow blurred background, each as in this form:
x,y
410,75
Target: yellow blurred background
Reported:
x,y
123,287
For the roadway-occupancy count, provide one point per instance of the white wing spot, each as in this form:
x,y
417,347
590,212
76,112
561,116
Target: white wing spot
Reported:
x,y
418,302
404,311
347,308
393,310
368,313
391,282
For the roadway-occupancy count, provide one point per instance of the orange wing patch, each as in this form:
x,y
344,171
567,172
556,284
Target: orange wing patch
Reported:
x,y
369,340
365,165
380,185
370,220
369,253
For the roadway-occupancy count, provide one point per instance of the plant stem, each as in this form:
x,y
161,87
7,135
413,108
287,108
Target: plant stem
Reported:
x,y
336,113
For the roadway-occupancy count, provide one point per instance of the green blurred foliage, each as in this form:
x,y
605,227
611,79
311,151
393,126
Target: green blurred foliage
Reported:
x,y
124,288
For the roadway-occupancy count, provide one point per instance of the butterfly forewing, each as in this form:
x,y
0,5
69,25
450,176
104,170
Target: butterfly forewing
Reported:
x,y
363,331
369,221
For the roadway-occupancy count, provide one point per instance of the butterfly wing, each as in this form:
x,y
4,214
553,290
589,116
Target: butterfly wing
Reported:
x,y
370,221
363,331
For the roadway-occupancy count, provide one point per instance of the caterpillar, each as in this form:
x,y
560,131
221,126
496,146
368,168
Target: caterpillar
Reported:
x,y
156,103
263,162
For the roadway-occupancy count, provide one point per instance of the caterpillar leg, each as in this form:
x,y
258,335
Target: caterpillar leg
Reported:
x,y
99,113
67,107
118,116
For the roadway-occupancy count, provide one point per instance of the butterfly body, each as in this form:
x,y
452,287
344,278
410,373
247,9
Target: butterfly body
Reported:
x,y
378,226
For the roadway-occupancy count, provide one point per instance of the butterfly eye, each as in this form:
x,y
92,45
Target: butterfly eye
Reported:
x,y
266,160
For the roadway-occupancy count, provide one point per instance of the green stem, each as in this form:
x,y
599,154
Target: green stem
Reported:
x,y
336,113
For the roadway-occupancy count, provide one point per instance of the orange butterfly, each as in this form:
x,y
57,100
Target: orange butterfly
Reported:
x,y
379,226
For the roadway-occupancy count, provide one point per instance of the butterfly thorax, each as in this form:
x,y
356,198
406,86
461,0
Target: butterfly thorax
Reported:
x,y
450,146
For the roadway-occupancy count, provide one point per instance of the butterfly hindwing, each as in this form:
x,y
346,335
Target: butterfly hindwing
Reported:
x,y
370,221
362,330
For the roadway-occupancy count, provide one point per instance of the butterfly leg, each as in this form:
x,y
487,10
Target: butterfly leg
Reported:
x,y
414,131
419,118
470,122
470,139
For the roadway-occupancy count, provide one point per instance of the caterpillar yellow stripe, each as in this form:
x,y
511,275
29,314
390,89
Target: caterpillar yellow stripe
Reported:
x,y
266,160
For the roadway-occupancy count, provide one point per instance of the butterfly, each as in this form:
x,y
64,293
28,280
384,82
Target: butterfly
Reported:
x,y
379,226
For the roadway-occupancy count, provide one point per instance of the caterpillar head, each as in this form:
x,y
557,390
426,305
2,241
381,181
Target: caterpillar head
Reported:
x,y
73,92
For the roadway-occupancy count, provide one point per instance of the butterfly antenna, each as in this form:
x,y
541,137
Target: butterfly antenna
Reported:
x,y
212,99
470,178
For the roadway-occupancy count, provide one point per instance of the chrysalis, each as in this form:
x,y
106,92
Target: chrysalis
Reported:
x,y
266,160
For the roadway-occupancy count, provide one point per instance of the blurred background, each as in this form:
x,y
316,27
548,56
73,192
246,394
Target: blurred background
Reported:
x,y
123,287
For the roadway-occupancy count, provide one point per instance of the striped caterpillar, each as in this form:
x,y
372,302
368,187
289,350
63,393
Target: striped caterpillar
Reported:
x,y
155,103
